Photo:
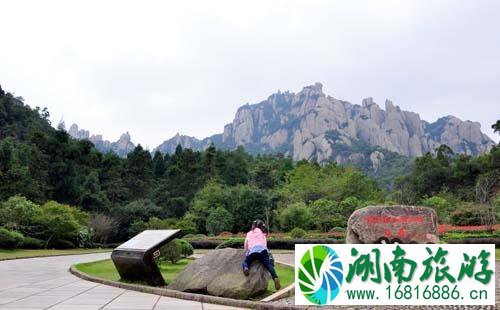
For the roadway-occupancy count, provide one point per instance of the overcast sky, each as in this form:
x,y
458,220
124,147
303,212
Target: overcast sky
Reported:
x,y
158,68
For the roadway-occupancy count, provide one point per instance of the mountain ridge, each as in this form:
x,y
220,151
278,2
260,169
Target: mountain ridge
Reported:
x,y
314,126
301,125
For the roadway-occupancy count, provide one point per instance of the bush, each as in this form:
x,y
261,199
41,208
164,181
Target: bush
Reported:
x,y
338,229
298,233
219,220
187,225
466,214
18,213
186,248
32,243
236,243
103,227
205,243
10,239
442,207
274,244
136,228
295,215
60,222
171,252
188,236
156,223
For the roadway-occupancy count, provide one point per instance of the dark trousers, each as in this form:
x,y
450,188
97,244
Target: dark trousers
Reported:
x,y
263,257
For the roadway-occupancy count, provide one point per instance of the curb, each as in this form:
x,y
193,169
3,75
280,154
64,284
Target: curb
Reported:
x,y
54,255
182,295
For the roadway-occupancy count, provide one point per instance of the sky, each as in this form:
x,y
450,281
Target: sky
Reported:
x,y
156,68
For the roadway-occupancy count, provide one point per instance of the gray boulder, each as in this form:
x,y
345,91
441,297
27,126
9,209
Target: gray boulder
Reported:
x,y
393,224
219,273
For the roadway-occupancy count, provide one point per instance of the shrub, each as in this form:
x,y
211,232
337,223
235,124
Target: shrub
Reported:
x,y
295,215
103,227
187,225
156,223
60,222
171,252
236,243
466,214
18,212
348,205
186,248
205,243
200,236
298,233
85,237
338,229
219,220
32,243
225,234
136,228
10,239
440,205
188,236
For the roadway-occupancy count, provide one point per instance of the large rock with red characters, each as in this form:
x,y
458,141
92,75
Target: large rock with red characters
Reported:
x,y
393,224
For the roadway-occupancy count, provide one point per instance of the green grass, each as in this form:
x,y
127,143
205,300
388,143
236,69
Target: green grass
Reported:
x,y
497,254
20,253
285,274
105,269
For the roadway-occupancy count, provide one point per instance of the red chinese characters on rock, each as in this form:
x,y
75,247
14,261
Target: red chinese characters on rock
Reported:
x,y
392,224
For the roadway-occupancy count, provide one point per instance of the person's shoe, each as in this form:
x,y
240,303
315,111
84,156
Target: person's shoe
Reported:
x,y
277,284
246,271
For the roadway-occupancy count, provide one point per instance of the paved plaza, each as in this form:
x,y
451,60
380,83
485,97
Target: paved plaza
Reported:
x,y
45,283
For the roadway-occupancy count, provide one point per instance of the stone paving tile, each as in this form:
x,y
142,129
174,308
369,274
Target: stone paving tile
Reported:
x,y
75,307
217,307
134,300
167,303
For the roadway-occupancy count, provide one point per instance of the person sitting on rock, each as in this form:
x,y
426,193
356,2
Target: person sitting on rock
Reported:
x,y
256,249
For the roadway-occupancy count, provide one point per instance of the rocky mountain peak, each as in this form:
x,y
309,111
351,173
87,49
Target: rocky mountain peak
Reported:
x,y
121,147
311,125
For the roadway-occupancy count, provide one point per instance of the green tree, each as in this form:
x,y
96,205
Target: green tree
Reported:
x,y
59,222
138,173
326,214
18,213
246,203
295,215
442,207
159,166
219,220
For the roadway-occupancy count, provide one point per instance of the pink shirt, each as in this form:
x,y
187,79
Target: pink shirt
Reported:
x,y
255,237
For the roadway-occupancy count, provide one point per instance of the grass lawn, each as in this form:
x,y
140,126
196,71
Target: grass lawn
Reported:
x,y
20,253
105,269
497,254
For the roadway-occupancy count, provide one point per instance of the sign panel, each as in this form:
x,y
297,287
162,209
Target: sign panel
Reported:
x,y
394,274
147,239
135,259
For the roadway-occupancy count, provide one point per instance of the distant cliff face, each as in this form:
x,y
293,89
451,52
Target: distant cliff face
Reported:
x,y
312,125
121,147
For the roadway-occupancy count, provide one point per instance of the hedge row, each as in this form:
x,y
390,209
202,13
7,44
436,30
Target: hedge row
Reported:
x,y
495,241
289,244
283,244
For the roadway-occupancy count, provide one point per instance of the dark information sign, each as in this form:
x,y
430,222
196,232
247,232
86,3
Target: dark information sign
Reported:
x,y
135,259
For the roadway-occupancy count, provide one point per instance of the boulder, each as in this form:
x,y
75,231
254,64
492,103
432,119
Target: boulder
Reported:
x,y
393,224
219,273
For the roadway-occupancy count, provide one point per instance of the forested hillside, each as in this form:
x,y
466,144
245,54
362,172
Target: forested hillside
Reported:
x,y
58,191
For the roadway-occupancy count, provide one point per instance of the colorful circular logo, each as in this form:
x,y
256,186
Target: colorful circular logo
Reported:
x,y
320,274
